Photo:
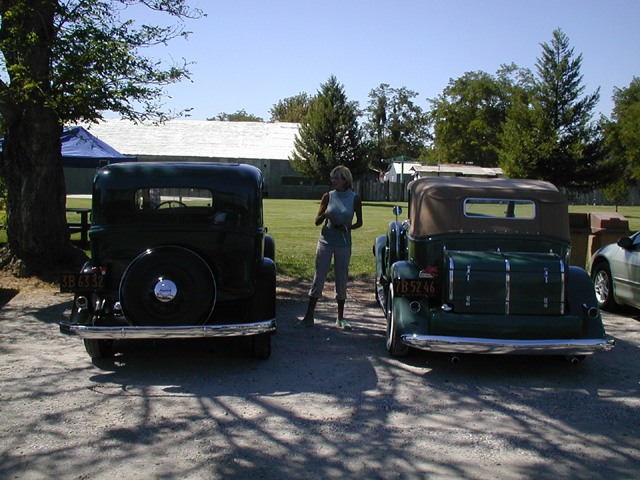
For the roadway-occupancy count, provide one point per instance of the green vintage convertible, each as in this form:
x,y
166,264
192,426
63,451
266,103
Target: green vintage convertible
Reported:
x,y
482,266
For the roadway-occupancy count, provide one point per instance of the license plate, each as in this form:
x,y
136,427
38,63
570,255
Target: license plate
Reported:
x,y
415,287
82,282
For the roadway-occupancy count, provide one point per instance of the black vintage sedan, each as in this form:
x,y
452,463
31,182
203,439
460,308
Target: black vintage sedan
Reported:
x,y
178,250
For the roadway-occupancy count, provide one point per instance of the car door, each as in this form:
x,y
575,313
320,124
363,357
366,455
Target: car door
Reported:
x,y
625,269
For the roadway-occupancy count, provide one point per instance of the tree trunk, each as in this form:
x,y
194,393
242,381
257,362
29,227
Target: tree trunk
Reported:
x,y
32,166
31,162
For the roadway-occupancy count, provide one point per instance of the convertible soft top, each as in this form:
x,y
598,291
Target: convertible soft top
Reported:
x,y
437,206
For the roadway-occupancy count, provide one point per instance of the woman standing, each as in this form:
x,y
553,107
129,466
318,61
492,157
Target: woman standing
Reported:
x,y
336,212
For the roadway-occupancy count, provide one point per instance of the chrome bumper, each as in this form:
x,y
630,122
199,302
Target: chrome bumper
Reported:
x,y
195,331
435,343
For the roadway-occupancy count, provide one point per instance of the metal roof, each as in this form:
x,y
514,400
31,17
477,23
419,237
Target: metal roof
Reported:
x,y
458,169
199,138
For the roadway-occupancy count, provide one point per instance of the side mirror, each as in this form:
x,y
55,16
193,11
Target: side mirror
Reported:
x,y
625,242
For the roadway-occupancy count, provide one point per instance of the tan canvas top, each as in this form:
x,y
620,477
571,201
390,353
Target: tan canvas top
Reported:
x,y
437,206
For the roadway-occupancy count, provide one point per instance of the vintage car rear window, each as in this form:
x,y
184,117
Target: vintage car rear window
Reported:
x,y
499,208
161,198
190,205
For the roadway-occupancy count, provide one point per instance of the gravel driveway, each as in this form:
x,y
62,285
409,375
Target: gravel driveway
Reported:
x,y
328,404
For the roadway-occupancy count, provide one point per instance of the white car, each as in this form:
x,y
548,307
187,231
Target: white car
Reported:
x,y
615,270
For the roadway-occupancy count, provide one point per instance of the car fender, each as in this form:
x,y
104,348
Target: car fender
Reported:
x,y
263,302
269,247
581,297
411,313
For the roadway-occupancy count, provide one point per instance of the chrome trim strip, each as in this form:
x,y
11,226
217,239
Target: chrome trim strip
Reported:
x,y
195,331
451,271
563,278
507,285
436,343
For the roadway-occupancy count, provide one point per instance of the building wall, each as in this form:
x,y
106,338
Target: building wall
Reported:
x,y
281,180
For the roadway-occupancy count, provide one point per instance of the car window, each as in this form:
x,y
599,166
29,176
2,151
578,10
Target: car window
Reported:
x,y
499,208
165,198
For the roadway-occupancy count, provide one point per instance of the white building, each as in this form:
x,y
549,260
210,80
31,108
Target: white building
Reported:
x,y
401,171
267,146
456,170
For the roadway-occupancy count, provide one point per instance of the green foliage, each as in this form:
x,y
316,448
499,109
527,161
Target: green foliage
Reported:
x,y
3,204
292,109
329,135
395,125
550,135
469,115
622,132
69,61
617,192
239,116
95,60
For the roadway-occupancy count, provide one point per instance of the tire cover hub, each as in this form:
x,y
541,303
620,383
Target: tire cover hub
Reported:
x,y
165,290
168,286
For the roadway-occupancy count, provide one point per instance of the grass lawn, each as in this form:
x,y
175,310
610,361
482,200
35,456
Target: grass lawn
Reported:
x,y
290,223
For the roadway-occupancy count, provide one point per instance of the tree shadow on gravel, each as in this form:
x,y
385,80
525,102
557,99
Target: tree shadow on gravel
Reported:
x,y
6,294
328,404
332,404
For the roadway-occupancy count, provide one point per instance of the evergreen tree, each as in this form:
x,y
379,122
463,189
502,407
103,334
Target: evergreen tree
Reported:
x,y
552,136
329,135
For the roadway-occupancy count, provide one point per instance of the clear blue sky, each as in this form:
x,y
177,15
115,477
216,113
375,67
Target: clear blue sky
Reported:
x,y
249,54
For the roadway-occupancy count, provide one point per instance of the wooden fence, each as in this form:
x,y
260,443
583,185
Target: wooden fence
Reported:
x,y
381,191
375,191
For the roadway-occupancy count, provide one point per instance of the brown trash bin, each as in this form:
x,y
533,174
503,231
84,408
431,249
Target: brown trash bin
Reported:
x,y
606,228
580,230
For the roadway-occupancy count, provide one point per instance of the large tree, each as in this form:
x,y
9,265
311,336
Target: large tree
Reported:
x,y
239,116
395,125
551,135
329,135
469,114
291,109
68,61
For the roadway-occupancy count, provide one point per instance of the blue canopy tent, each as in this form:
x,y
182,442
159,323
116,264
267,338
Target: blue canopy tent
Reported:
x,y
82,154
80,149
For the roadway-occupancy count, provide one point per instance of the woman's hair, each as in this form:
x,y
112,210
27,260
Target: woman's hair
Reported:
x,y
344,173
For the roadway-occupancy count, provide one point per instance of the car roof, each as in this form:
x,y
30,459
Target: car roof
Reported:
x,y
436,206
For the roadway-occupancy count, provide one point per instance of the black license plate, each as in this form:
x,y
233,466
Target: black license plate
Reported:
x,y
82,282
415,287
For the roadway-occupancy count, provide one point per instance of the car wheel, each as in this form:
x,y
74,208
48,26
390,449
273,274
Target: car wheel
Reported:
x,y
603,286
261,345
168,286
96,349
395,347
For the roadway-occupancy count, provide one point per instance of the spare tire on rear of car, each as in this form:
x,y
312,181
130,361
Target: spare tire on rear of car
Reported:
x,y
168,286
